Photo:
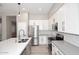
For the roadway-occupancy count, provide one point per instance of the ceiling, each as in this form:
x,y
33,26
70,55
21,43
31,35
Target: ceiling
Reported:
x,y
33,8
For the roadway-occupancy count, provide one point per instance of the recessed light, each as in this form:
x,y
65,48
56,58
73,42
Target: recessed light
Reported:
x,y
40,9
23,8
19,15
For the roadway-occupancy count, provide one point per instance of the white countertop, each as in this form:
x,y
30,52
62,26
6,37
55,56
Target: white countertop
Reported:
x,y
10,47
66,48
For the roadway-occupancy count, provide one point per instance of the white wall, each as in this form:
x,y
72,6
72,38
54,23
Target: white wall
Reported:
x,y
38,17
41,20
4,37
69,14
13,19
10,28
43,24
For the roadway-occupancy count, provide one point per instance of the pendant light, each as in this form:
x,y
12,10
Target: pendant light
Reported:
x,y
19,7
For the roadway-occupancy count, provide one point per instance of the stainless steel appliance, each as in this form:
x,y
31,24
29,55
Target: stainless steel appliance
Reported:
x,y
55,27
50,44
36,35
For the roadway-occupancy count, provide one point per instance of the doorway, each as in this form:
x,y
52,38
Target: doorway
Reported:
x,y
11,27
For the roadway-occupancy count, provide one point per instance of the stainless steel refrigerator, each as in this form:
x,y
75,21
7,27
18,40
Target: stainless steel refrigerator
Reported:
x,y
36,35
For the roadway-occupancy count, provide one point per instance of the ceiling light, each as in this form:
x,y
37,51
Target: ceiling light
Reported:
x,y
19,15
19,6
23,8
40,9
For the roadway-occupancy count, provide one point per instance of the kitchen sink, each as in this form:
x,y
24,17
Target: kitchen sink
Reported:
x,y
23,40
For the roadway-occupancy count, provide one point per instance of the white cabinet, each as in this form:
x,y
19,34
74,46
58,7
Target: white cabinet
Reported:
x,y
55,50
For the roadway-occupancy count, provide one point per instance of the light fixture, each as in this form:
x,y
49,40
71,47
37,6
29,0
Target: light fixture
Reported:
x,y
19,7
19,14
40,9
23,8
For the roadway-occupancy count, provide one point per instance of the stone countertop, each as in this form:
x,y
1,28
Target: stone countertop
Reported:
x,y
10,47
66,48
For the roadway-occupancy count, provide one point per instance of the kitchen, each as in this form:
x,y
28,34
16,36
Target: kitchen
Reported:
x,y
39,29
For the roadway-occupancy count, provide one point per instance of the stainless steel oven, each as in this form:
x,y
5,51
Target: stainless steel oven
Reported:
x,y
50,44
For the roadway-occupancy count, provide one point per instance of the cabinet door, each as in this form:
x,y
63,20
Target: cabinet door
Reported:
x,y
53,49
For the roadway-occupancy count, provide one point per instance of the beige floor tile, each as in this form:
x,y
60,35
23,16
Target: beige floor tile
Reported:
x,y
39,50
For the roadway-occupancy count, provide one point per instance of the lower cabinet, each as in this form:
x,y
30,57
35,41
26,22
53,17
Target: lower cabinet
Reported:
x,y
55,50
27,50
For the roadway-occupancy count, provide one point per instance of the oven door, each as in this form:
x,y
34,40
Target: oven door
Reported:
x,y
50,49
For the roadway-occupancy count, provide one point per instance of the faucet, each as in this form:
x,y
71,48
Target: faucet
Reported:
x,y
21,30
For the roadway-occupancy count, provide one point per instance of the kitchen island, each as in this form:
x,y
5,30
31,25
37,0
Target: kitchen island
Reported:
x,y
11,47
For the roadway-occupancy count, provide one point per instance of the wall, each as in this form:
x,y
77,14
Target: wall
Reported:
x,y
43,24
41,20
38,17
69,15
4,37
8,27
13,28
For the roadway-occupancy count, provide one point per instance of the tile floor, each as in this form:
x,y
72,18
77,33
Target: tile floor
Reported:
x,y
39,50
